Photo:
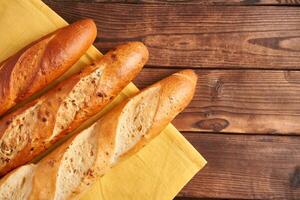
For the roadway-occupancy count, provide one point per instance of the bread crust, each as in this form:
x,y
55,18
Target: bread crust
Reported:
x,y
34,124
180,87
42,61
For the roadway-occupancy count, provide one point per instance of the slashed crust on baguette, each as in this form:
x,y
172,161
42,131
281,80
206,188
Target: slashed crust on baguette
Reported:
x,y
76,164
65,107
135,120
18,185
42,61
18,133
77,99
166,99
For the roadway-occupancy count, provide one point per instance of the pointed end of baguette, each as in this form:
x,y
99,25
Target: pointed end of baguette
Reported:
x,y
189,74
138,47
125,61
188,83
86,24
181,85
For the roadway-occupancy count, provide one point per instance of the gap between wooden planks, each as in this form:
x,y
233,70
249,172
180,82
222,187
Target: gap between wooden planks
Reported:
x,y
195,36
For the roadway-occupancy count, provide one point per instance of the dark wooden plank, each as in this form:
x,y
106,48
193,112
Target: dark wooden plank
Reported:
x,y
201,2
246,167
184,35
238,101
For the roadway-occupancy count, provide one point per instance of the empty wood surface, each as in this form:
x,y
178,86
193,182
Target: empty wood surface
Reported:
x,y
238,101
246,167
196,36
244,118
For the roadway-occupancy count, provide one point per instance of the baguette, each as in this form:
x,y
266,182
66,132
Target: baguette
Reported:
x,y
76,164
32,129
42,61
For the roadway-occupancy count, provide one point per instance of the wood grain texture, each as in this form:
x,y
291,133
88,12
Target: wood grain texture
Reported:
x,y
246,167
196,36
201,2
238,101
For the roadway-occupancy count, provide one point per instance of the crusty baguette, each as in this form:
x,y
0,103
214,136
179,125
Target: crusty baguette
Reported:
x,y
30,130
68,170
42,61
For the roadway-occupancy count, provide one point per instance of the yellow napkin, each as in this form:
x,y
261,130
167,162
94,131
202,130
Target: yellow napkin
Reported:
x,y
159,170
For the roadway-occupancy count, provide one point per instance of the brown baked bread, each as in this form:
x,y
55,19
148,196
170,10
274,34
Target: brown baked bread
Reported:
x,y
42,61
31,129
76,164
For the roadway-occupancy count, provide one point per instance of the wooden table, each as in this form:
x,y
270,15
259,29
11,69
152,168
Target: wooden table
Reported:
x,y
245,116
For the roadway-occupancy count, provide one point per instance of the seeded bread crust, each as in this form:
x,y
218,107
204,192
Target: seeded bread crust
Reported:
x,y
76,164
33,128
